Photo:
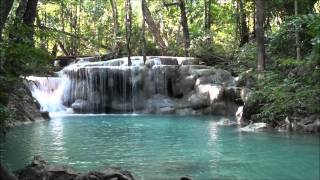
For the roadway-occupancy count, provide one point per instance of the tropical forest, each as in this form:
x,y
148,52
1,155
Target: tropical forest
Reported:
x,y
159,89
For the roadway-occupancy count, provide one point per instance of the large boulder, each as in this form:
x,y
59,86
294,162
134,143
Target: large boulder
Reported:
x,y
215,76
160,104
184,85
81,106
107,174
212,91
254,127
23,107
41,170
198,101
309,124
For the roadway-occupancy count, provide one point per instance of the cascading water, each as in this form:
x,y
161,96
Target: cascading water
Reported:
x,y
48,91
161,86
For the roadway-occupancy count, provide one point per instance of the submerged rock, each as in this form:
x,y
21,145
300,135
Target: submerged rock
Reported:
x,y
198,101
254,127
160,104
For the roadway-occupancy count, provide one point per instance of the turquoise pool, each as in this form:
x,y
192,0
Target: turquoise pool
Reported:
x,y
164,147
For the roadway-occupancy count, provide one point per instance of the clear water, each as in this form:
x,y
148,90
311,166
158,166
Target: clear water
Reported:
x,y
164,147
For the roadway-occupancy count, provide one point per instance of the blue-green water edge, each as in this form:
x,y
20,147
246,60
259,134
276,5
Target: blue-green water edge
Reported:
x,y
164,147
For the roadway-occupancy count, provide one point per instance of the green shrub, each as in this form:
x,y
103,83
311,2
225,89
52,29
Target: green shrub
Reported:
x,y
245,58
282,95
21,59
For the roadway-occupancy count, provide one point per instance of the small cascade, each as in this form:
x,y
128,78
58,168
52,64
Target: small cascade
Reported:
x,y
48,91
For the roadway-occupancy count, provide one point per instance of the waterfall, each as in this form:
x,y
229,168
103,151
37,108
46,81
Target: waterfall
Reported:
x,y
48,91
93,87
160,85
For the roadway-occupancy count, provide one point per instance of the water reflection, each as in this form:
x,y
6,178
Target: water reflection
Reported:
x,y
57,139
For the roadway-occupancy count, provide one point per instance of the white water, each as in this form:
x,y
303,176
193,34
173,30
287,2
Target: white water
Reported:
x,y
114,87
49,92
100,83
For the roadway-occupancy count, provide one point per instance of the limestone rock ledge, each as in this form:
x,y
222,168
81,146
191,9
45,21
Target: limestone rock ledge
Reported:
x,y
22,106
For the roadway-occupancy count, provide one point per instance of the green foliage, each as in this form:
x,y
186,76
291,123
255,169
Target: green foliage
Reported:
x,y
308,28
22,59
245,58
202,46
151,48
284,93
4,115
175,49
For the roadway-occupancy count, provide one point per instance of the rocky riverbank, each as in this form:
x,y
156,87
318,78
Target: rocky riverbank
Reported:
x,y
22,107
39,169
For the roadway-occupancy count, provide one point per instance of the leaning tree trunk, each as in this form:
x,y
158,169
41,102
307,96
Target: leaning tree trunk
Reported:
x,y
128,10
260,35
16,32
5,8
116,46
143,4
185,28
153,27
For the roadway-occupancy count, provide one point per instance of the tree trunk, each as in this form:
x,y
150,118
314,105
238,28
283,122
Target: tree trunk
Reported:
x,y
207,14
20,11
260,34
63,48
17,32
254,19
153,27
298,49
244,32
54,50
116,47
62,18
5,8
143,4
185,28
28,20
128,10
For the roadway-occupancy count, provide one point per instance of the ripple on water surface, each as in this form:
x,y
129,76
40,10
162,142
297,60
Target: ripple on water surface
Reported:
x,y
164,147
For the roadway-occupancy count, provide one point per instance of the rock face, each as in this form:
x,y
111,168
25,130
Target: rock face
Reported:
x,y
310,124
164,85
23,107
41,170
